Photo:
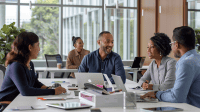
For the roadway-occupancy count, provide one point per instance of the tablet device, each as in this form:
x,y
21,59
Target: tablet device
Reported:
x,y
69,105
162,109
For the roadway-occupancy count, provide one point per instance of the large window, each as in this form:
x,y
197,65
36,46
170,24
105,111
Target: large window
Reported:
x,y
194,19
56,21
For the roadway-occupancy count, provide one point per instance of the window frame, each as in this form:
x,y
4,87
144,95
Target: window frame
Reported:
x,y
61,5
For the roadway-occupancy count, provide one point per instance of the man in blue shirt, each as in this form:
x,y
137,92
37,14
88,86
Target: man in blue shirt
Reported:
x,y
104,60
187,83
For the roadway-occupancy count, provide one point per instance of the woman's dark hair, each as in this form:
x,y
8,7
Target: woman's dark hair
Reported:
x,y
185,36
74,39
20,51
161,42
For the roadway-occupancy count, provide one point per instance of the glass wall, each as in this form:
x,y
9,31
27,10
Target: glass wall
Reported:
x,y
194,19
56,21
44,21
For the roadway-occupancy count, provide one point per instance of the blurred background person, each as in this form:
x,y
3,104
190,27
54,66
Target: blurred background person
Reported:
x,y
76,55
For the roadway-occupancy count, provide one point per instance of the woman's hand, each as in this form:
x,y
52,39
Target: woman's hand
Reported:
x,y
60,90
147,86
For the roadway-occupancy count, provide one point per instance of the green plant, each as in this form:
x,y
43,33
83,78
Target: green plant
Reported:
x,y
197,36
7,35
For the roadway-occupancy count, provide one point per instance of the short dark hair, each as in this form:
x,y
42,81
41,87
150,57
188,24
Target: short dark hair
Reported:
x,y
74,39
20,51
103,32
161,42
185,36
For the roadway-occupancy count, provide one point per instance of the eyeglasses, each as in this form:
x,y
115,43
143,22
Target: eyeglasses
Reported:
x,y
171,43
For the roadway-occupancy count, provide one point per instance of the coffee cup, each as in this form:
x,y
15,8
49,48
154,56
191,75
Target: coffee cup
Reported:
x,y
59,65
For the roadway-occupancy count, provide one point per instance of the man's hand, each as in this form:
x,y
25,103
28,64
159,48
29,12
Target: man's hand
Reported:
x,y
147,86
149,95
60,90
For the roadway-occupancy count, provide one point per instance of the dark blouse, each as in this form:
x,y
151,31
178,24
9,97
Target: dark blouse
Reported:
x,y
19,79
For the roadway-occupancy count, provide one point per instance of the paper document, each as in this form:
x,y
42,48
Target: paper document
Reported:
x,y
21,108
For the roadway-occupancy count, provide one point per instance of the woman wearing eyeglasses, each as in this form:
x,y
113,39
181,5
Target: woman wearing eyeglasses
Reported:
x,y
161,72
75,56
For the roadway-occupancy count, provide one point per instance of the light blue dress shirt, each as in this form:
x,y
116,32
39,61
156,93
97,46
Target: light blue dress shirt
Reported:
x,y
187,84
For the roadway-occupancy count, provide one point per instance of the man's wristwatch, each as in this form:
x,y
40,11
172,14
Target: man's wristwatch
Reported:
x,y
48,87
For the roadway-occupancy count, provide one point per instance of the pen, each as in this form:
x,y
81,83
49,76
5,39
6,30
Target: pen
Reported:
x,y
147,81
115,91
40,98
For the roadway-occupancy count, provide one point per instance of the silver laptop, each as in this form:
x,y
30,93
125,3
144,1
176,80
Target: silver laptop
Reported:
x,y
120,85
94,78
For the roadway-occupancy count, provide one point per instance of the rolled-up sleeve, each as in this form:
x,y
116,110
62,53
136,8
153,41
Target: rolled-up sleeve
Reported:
x,y
169,77
184,78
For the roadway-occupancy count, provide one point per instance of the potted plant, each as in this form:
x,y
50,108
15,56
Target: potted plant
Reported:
x,y
197,36
7,35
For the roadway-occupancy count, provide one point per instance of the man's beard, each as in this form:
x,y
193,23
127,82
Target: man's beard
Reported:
x,y
105,50
177,54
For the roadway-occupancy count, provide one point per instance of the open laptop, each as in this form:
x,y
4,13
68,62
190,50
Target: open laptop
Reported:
x,y
138,62
94,78
120,85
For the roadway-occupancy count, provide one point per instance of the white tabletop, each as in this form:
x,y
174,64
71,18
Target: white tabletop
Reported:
x,y
55,69
32,101
129,68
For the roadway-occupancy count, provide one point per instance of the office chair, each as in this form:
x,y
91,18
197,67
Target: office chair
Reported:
x,y
139,75
49,59
3,105
3,69
2,74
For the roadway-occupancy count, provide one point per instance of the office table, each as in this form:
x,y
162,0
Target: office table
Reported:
x,y
52,70
32,101
135,71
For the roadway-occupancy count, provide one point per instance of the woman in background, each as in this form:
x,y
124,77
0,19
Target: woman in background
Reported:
x,y
20,74
75,56
161,72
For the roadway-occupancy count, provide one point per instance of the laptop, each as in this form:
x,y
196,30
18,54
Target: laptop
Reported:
x,y
138,62
120,85
94,78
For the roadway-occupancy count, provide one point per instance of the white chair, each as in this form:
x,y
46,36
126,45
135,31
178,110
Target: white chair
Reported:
x,y
2,74
1,78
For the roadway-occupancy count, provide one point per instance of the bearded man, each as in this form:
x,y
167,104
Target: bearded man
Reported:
x,y
104,60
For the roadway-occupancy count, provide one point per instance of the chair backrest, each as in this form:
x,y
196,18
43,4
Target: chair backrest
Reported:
x,y
3,69
51,60
2,74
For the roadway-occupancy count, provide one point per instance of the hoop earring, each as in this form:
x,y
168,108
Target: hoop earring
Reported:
x,y
160,54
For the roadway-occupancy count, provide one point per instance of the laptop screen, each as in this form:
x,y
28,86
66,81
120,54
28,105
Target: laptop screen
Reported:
x,y
138,62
